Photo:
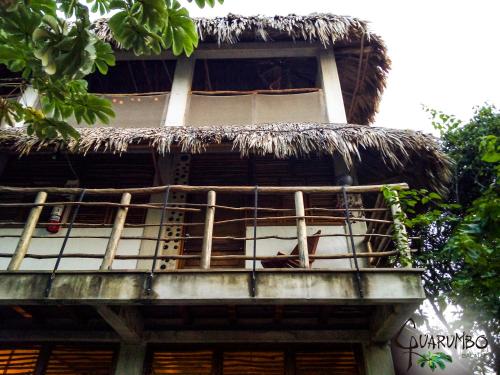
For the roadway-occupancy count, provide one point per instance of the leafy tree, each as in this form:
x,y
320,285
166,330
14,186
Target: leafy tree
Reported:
x,y
460,248
51,44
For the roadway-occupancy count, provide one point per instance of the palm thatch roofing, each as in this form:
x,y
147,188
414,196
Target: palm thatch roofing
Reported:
x,y
382,152
361,55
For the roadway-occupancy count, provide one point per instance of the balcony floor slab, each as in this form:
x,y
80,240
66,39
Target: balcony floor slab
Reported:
x,y
379,286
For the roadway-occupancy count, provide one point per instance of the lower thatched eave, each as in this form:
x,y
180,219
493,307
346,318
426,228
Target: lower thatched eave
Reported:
x,y
406,152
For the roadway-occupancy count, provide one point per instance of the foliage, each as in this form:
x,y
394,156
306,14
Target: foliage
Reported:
x,y
400,237
460,234
434,360
51,44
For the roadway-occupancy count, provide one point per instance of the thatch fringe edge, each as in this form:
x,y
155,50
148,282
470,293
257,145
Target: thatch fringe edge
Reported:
x,y
397,148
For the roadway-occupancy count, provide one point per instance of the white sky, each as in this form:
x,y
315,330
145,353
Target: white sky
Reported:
x,y
445,54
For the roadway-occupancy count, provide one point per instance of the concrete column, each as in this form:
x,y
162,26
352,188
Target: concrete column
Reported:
x,y
163,177
378,359
131,359
180,92
330,83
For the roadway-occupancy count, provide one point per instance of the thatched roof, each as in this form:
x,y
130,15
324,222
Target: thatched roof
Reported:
x,y
410,155
361,55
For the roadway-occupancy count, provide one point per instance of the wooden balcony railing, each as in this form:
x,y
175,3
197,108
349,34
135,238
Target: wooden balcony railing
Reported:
x,y
375,244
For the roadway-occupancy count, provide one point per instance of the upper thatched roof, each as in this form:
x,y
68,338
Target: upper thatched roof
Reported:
x,y
361,55
382,152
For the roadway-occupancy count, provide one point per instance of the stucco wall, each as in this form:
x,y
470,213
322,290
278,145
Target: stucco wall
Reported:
x,y
326,246
48,245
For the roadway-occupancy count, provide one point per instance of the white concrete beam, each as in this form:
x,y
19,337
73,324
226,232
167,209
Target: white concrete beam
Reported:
x,y
388,320
131,359
180,93
380,286
330,83
378,359
127,323
238,51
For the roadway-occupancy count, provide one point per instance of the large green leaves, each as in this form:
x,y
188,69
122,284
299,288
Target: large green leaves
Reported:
x,y
149,26
202,3
181,32
132,35
55,53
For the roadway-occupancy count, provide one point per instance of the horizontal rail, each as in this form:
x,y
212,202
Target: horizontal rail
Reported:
x,y
379,234
204,189
198,256
305,90
98,204
149,238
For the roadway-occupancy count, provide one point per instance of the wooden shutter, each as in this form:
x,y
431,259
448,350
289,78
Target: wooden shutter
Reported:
x,y
182,363
21,361
93,171
74,360
325,363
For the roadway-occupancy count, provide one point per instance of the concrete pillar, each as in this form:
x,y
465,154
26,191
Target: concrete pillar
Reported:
x,y
131,359
180,92
378,359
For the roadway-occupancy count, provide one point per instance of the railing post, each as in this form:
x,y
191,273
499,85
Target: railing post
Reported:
x,y
25,239
301,230
116,233
400,234
206,249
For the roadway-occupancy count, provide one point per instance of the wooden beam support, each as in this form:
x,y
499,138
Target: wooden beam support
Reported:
x,y
185,313
179,95
242,50
116,233
301,230
206,249
25,239
324,315
193,336
127,323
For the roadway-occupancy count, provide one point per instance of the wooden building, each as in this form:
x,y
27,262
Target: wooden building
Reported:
x,y
229,220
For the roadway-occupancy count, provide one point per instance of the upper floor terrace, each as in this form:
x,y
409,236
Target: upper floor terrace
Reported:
x,y
250,70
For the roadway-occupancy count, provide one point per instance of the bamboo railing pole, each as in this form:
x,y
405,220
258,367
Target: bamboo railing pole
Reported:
x,y
25,239
206,249
116,233
200,189
301,230
401,236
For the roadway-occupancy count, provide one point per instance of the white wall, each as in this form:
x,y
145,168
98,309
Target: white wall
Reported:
x,y
48,245
326,245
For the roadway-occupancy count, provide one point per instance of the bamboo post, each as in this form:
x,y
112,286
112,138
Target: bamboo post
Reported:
x,y
301,230
25,239
116,233
206,249
401,236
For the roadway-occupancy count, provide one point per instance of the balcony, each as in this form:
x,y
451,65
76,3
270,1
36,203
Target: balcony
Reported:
x,y
202,249
256,107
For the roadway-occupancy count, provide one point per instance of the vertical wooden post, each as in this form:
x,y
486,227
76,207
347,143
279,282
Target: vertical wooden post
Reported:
x,y
206,249
116,233
301,230
25,239
400,231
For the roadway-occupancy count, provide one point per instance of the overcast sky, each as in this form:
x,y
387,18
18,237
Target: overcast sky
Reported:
x,y
445,53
